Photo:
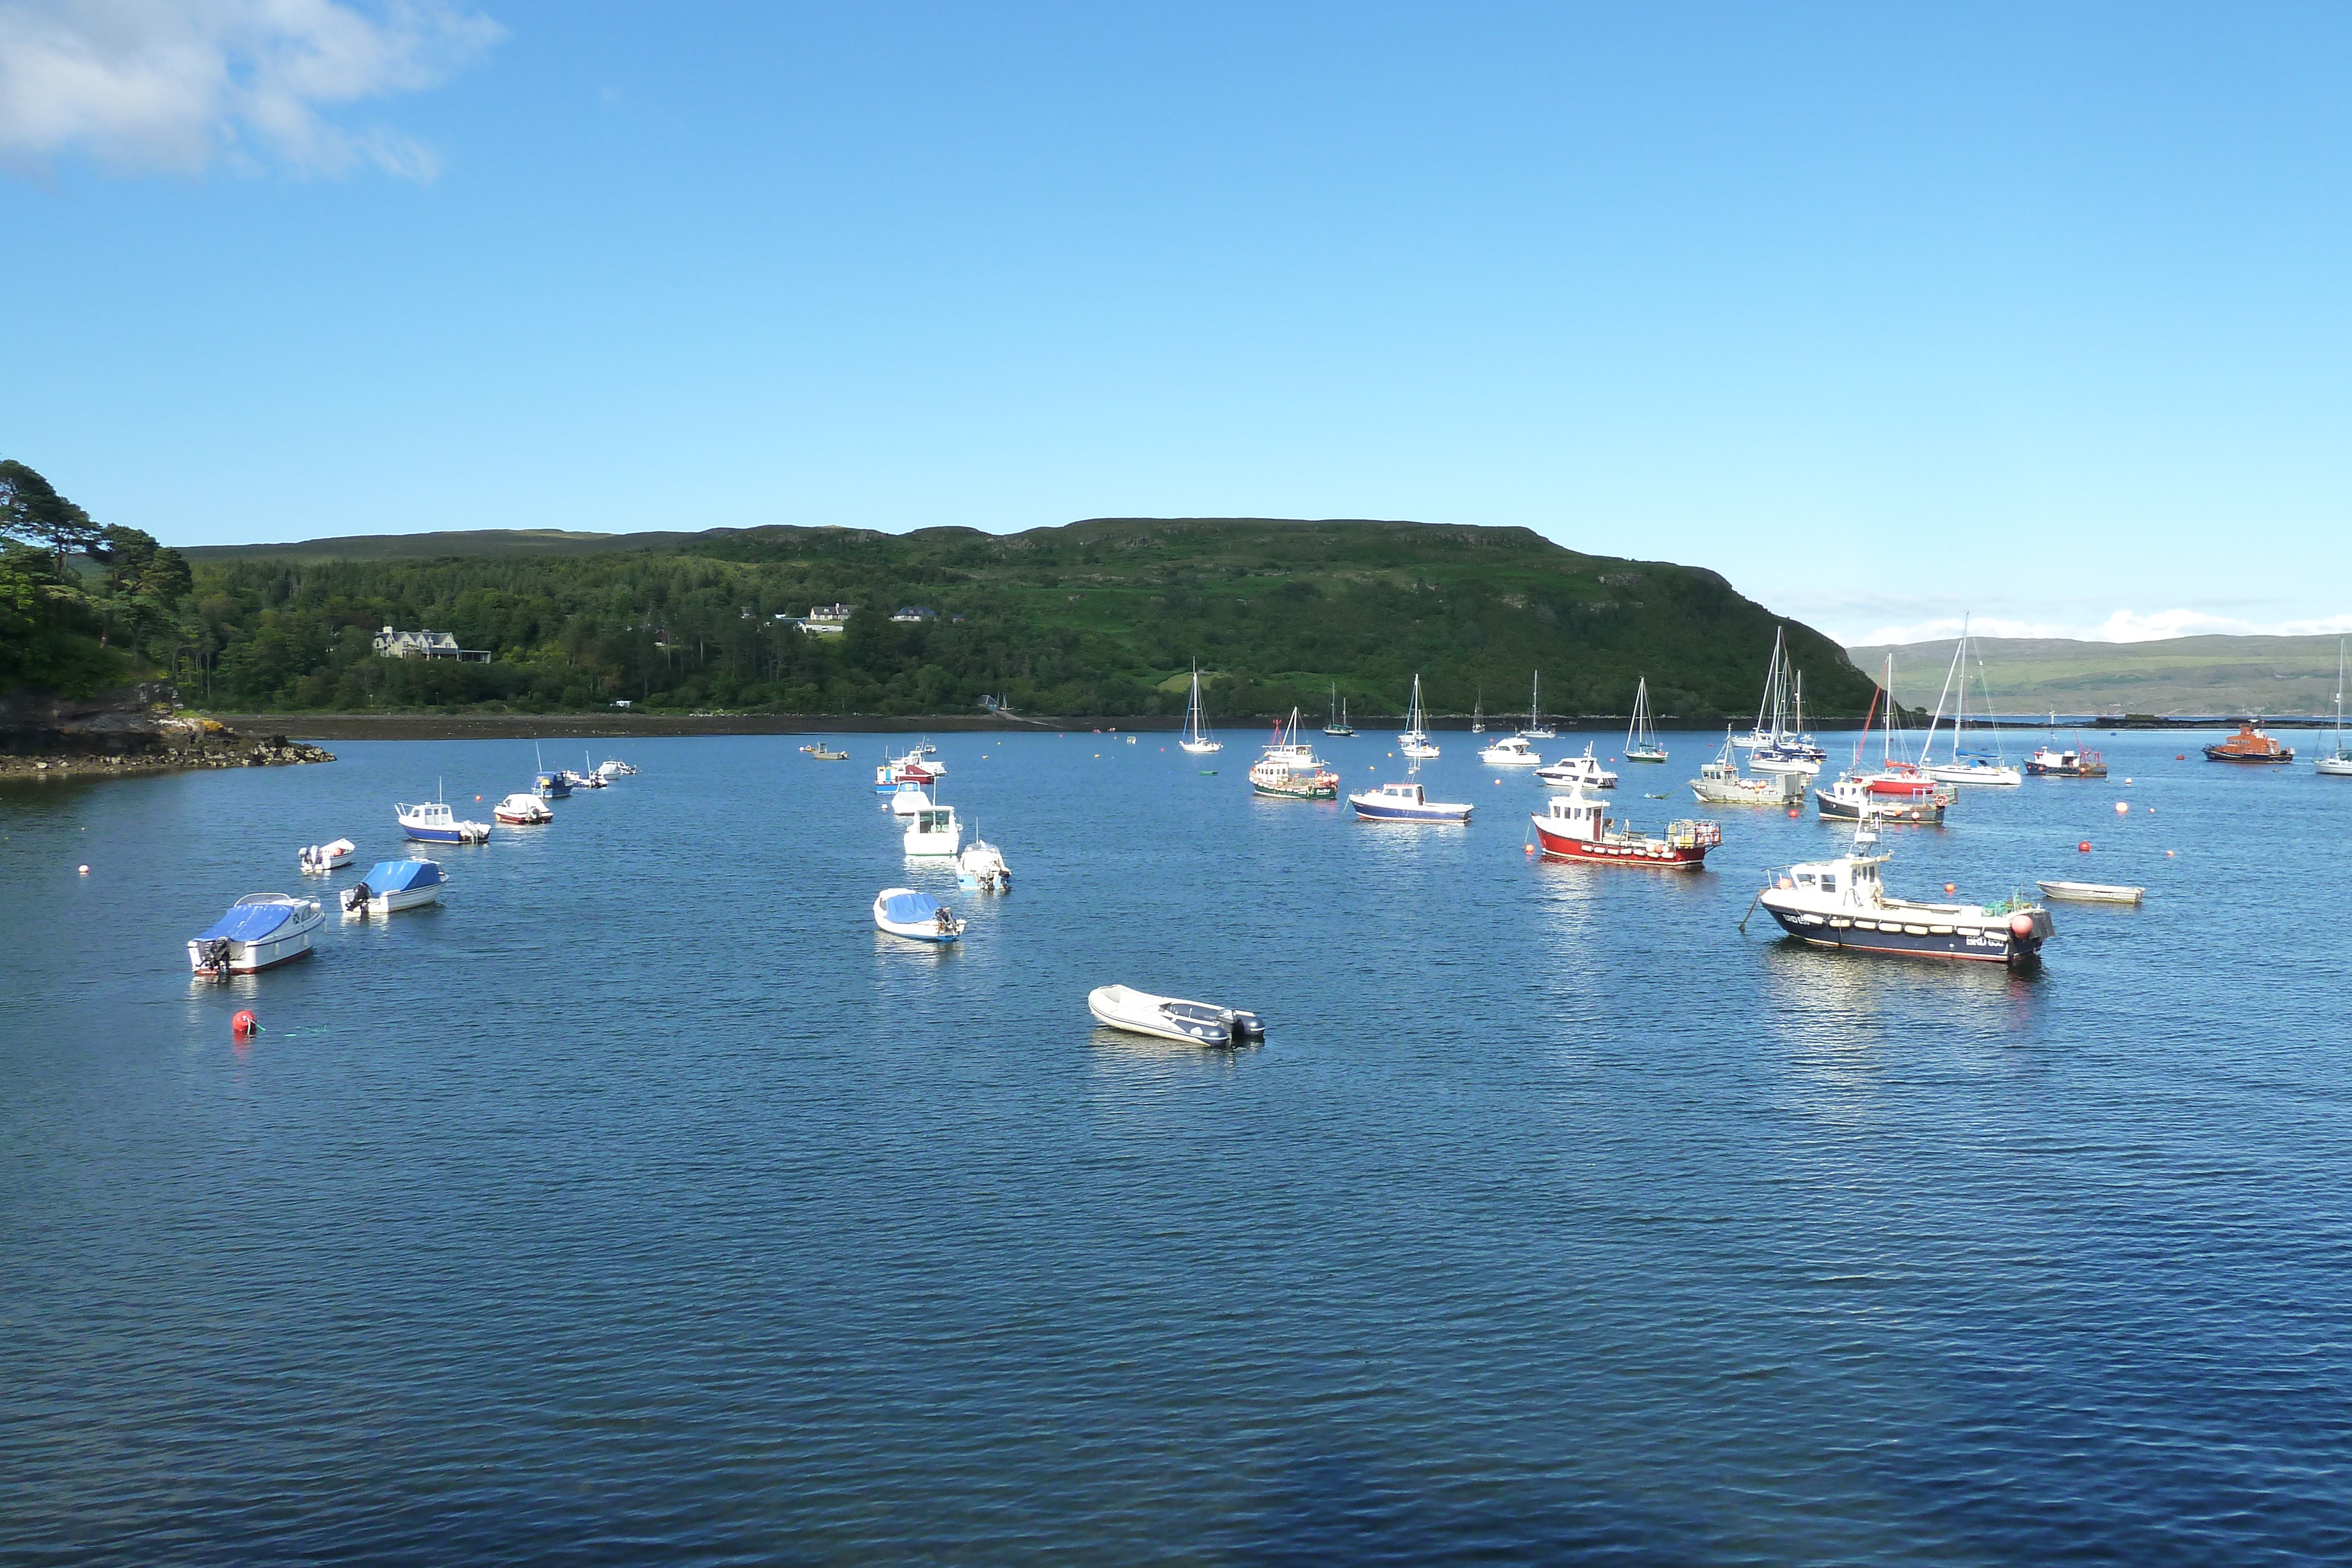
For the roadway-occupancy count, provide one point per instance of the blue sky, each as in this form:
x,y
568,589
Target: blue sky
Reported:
x,y
1887,313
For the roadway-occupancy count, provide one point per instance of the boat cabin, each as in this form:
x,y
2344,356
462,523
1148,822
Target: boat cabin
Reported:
x,y
1402,794
1575,816
934,831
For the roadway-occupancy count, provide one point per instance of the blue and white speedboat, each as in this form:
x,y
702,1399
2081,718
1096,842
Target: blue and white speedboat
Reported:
x,y
1405,803
432,822
916,916
261,931
392,886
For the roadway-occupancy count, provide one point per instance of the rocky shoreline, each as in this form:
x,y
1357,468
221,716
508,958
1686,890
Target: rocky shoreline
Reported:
x,y
138,731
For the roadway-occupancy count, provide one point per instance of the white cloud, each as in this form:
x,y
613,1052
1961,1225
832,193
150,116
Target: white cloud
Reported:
x,y
2121,626
177,85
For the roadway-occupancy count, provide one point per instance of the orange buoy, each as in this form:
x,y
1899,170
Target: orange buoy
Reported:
x,y
1792,811
2085,846
245,1023
1950,887
2021,925
1529,848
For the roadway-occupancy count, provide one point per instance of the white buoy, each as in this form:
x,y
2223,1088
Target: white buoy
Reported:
x,y
2123,809
81,870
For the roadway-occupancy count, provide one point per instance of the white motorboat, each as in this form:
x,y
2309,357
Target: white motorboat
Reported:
x,y
1842,903
261,931
1197,738
982,865
394,885
1415,742
327,857
613,768
1571,771
1964,767
1536,728
1171,1017
1511,752
916,916
921,764
432,822
2091,891
522,810
910,800
934,831
1405,803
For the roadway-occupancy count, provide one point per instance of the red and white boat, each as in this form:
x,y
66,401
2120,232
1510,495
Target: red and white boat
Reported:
x,y
1573,827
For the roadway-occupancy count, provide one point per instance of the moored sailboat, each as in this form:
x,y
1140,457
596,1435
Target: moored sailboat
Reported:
x,y
1642,735
1536,728
2337,763
1415,742
1963,767
1338,725
1197,738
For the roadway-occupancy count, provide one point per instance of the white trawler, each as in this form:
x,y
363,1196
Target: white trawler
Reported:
x,y
1841,903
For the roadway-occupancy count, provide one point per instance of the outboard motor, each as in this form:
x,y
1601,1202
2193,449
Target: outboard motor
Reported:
x,y
355,898
1244,1025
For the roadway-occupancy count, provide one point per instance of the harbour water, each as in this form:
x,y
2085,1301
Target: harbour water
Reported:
x,y
642,1204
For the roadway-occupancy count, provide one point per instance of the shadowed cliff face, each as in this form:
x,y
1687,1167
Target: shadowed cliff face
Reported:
x,y
133,728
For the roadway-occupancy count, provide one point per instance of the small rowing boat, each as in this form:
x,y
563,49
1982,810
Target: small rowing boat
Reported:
x,y
2091,891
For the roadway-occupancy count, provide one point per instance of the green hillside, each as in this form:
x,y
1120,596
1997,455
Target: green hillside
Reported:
x,y
1097,617
2170,677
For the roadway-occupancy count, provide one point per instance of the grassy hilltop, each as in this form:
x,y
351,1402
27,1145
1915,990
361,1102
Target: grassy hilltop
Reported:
x,y
2172,676
1097,617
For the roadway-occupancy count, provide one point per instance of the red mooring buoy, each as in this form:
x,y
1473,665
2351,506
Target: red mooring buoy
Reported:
x,y
2085,846
2021,925
244,1024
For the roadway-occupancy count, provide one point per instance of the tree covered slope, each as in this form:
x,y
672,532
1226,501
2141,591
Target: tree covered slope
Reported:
x,y
1103,617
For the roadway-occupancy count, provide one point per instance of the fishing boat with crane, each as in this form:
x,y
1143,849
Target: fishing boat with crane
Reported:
x,y
1290,770
2066,762
1898,789
1575,827
1843,904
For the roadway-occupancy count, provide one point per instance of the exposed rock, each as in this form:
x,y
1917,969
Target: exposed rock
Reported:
x,y
134,730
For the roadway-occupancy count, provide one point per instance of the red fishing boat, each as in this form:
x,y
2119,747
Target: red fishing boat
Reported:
x,y
2249,745
1572,827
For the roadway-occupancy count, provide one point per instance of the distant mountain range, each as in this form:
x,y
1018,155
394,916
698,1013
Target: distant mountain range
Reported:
x,y
2175,677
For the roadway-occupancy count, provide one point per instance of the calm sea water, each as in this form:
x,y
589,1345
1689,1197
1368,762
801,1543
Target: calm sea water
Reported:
x,y
642,1204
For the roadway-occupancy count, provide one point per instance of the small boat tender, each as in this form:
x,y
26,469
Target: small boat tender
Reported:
x,y
1171,1017
2091,891
327,857
916,916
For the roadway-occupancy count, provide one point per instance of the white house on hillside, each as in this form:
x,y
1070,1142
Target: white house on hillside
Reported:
x,y
392,645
